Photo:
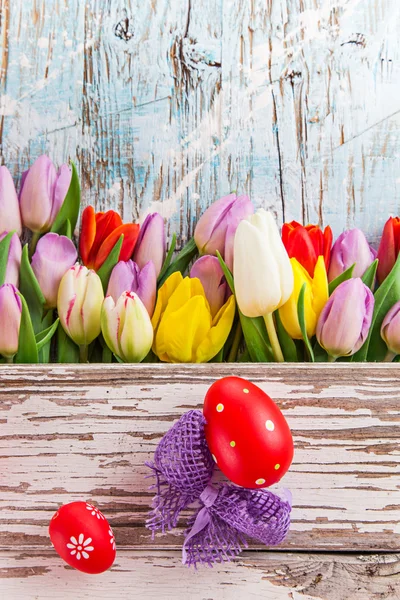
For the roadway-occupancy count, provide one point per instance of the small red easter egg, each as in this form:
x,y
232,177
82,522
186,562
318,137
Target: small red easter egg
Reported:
x,y
81,535
246,433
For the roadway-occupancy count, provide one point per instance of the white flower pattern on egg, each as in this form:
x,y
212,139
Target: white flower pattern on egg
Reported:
x,y
80,547
112,540
94,511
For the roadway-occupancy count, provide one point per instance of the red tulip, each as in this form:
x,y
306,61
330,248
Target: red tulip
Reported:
x,y
389,247
99,234
306,243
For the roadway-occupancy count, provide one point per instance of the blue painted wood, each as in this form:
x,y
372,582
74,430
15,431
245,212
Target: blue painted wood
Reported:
x,y
169,105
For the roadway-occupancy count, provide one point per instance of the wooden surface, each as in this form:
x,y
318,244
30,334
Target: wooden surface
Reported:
x,y
84,432
166,105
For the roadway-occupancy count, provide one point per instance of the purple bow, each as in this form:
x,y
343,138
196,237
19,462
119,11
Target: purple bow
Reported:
x,y
183,467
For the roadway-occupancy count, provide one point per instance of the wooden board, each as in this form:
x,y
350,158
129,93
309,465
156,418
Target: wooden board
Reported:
x,y
167,105
72,432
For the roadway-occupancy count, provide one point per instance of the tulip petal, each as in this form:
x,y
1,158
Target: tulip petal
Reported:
x,y
10,310
136,336
130,231
320,289
182,330
164,294
211,275
210,230
151,243
388,247
218,334
36,198
105,224
88,234
61,186
10,217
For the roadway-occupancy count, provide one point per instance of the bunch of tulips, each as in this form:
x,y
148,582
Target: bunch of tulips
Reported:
x,y
238,291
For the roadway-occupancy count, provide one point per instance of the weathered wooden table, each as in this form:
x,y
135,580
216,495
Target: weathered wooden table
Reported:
x,y
84,432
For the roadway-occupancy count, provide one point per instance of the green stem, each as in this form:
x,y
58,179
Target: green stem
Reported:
x,y
273,338
235,344
331,359
389,356
83,354
32,244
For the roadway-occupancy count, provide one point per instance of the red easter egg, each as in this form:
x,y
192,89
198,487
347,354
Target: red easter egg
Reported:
x,y
246,433
81,535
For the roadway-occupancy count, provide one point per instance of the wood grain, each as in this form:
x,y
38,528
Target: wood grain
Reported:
x,y
168,105
85,432
268,576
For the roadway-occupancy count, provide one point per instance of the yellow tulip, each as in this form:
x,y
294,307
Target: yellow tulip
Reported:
x,y
184,329
315,297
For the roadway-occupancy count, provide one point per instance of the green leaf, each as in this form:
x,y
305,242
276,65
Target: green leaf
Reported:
x,y
343,277
45,336
27,351
67,350
369,276
388,293
69,210
302,322
244,357
4,251
66,229
168,258
320,354
112,259
287,345
30,289
182,261
44,353
218,358
227,272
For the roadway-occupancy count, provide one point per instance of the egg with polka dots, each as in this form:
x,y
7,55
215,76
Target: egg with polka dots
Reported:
x,y
81,535
247,433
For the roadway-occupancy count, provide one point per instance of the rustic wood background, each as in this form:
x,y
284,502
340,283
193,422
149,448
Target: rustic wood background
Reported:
x,y
167,105
85,432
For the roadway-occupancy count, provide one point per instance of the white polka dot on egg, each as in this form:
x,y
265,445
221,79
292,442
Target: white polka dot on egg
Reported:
x,y
269,425
260,481
245,391
277,466
232,444
220,407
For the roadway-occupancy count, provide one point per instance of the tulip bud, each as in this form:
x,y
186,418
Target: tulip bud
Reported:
x,y
211,275
128,277
151,243
262,271
10,317
13,260
315,297
80,297
389,247
126,327
54,255
390,329
42,193
306,243
216,228
351,248
345,320
10,217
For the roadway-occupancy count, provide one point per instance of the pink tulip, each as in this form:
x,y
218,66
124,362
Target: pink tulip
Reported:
x,y
14,259
216,228
10,217
128,277
54,255
10,317
211,275
151,243
42,194
390,329
351,248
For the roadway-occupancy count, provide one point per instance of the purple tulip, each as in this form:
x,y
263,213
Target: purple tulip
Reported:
x,y
54,255
43,191
350,248
345,320
151,243
10,317
390,329
128,277
10,217
211,275
13,260
216,228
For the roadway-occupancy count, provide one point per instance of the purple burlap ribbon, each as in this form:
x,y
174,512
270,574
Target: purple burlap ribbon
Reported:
x,y
183,467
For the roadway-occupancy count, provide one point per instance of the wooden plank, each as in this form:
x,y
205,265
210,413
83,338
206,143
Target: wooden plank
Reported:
x,y
270,576
72,432
292,102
